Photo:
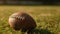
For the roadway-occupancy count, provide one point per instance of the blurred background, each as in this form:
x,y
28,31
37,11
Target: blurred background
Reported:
x,y
30,2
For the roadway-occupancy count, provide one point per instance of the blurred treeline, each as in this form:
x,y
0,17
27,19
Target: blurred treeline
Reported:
x,y
39,2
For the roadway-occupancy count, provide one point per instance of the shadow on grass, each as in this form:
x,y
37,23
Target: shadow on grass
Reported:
x,y
40,31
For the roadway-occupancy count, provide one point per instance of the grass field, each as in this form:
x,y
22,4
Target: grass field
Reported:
x,y
47,18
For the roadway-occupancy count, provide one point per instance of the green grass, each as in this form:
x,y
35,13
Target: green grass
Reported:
x,y
46,17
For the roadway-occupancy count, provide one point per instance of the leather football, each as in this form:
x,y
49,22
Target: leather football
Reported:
x,y
21,21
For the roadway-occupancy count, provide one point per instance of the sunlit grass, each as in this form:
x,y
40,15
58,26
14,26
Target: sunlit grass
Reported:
x,y
46,17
